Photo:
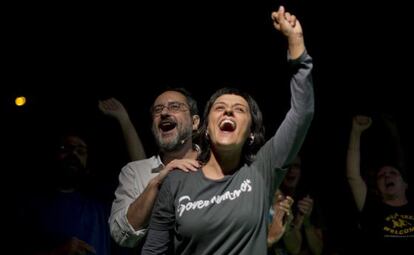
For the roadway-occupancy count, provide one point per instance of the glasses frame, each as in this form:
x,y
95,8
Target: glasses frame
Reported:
x,y
172,107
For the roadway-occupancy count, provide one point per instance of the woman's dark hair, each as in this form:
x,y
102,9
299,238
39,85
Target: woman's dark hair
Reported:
x,y
257,129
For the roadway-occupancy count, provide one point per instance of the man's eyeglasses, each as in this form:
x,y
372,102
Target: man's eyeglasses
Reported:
x,y
173,107
69,148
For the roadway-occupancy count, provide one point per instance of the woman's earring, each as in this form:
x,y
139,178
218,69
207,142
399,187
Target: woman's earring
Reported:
x,y
251,139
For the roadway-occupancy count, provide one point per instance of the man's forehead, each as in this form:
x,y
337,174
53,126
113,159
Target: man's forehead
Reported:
x,y
170,96
75,141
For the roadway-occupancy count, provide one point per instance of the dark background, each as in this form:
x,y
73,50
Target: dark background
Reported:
x,y
66,57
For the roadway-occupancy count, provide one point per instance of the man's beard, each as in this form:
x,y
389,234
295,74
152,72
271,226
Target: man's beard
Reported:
x,y
70,173
174,144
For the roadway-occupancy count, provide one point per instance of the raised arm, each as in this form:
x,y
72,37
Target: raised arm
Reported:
x,y
291,134
290,27
353,171
112,107
283,147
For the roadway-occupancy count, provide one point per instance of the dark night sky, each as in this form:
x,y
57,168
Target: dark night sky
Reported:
x,y
86,53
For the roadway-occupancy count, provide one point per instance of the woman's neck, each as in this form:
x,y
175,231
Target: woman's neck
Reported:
x,y
221,164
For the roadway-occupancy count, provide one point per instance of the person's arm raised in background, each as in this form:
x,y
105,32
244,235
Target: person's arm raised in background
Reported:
x,y
353,169
112,107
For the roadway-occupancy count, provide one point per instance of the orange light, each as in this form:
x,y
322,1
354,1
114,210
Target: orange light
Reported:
x,y
20,101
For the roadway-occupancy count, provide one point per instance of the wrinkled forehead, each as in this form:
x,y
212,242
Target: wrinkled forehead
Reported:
x,y
387,169
74,141
170,96
231,99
